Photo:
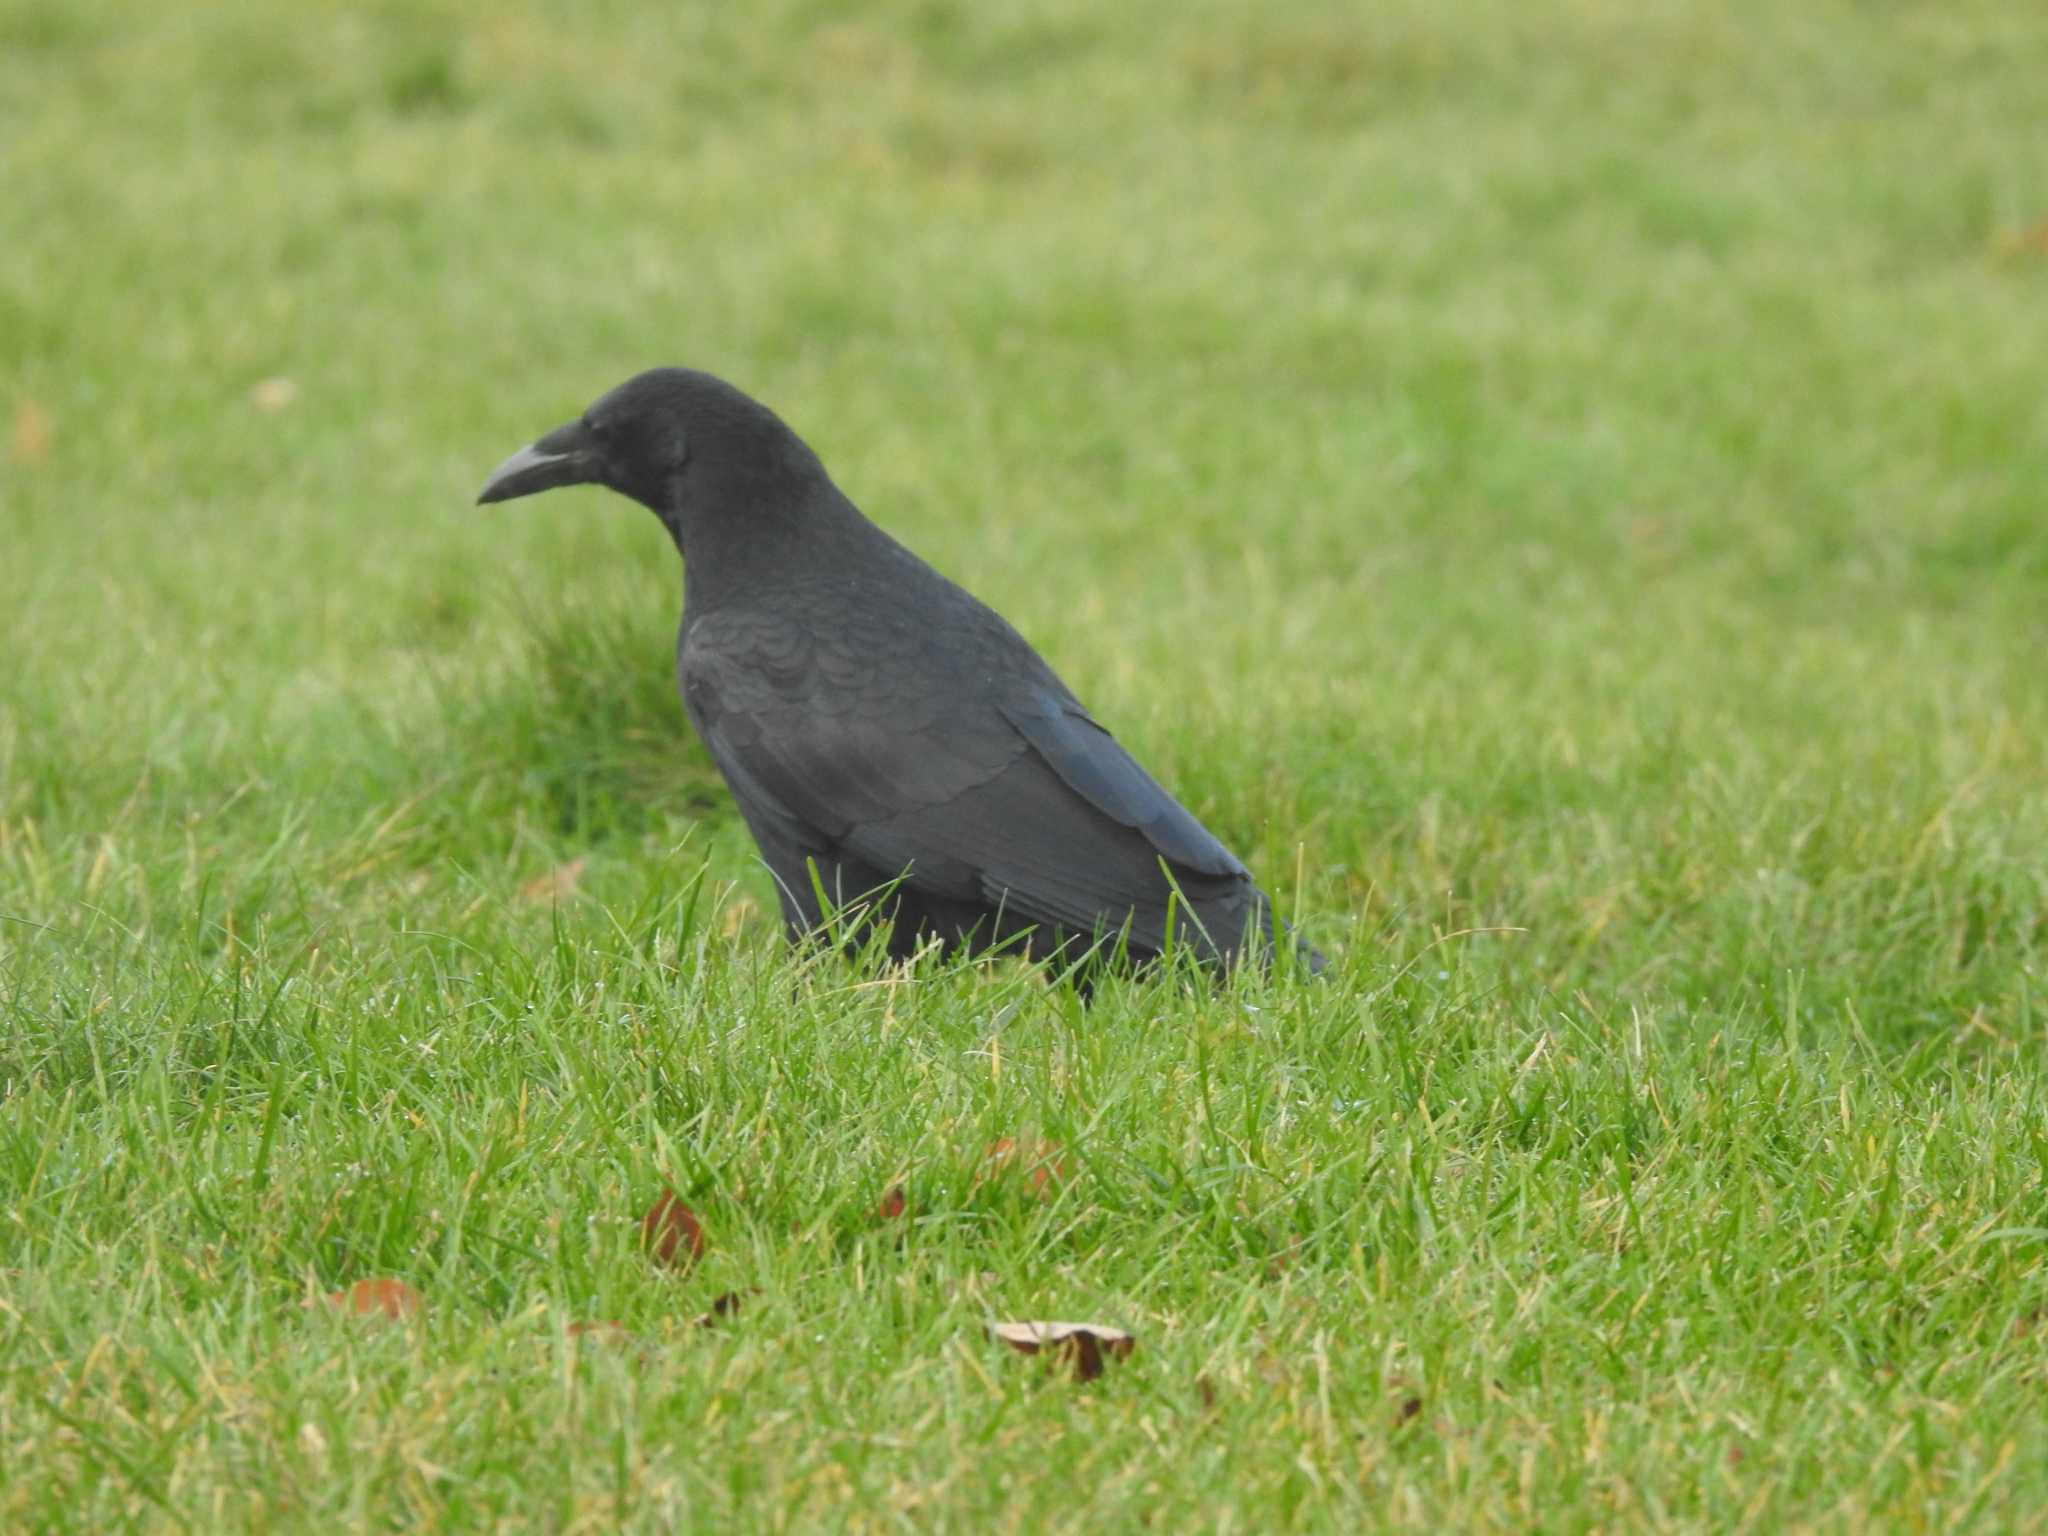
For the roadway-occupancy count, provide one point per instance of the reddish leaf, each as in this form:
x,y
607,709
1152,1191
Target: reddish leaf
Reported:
x,y
1085,1346
381,1297
893,1205
671,1233
1044,1162
2028,240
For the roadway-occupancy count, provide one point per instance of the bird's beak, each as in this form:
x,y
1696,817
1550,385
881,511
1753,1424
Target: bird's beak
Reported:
x,y
563,457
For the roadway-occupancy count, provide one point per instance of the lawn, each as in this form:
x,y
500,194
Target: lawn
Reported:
x,y
1559,488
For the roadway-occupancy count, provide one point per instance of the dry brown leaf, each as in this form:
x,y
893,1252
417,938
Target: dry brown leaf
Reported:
x,y
737,915
1409,1409
603,1331
1281,1260
272,395
726,1305
2029,240
1086,1346
671,1233
893,1205
558,884
1045,1163
381,1296
29,441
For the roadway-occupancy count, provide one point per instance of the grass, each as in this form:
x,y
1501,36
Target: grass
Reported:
x,y
1558,488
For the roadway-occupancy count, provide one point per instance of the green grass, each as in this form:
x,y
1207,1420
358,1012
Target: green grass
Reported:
x,y
1559,488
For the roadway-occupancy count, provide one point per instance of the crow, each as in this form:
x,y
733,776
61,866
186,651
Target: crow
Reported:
x,y
898,751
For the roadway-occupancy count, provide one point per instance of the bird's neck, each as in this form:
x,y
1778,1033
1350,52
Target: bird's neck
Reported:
x,y
744,542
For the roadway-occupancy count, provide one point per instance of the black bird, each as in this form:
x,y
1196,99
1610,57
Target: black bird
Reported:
x,y
886,735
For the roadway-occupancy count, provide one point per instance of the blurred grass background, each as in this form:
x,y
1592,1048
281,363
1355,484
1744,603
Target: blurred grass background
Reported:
x,y
1572,468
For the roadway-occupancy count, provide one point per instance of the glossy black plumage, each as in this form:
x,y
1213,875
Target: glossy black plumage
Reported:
x,y
879,727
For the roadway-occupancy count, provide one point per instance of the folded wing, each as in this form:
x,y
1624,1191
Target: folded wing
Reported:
x,y
1013,797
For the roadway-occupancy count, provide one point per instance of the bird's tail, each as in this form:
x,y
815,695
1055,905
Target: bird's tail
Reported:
x,y
1306,955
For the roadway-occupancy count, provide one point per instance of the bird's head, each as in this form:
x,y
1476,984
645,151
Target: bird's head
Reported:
x,y
668,438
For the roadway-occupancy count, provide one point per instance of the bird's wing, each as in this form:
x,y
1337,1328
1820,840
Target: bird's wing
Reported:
x,y
1093,764
1010,795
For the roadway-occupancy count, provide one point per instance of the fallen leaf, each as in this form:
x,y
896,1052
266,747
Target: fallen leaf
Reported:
x,y
381,1296
273,395
1410,1408
29,441
1045,1164
557,884
737,915
1085,1345
1281,1260
727,1305
893,1205
671,1233
1735,1454
603,1331
2030,240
